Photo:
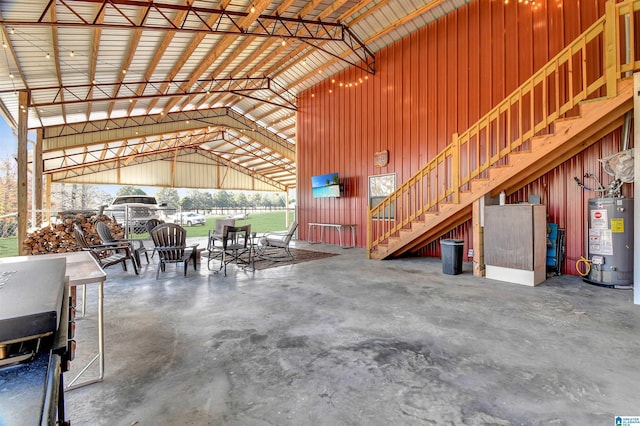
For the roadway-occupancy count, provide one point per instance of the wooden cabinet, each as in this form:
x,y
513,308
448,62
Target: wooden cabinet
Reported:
x,y
515,243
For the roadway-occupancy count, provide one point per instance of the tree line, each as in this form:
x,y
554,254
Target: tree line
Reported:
x,y
205,200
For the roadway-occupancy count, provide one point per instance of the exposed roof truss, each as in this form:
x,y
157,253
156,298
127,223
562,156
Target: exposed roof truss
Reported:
x,y
116,14
262,89
185,92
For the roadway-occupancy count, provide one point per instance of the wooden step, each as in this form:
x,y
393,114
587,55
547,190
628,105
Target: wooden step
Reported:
x,y
572,135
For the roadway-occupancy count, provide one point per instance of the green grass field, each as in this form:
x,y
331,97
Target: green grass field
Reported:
x,y
260,223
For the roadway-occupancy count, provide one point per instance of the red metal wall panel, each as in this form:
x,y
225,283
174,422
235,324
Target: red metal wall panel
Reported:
x,y
427,86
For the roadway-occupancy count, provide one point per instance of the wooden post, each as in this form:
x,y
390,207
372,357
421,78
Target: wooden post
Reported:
x,y
455,169
48,198
23,100
610,50
478,236
37,181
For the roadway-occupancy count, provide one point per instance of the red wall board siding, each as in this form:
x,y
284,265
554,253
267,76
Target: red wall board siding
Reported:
x,y
485,66
511,80
434,82
498,53
462,112
431,142
473,98
452,83
442,134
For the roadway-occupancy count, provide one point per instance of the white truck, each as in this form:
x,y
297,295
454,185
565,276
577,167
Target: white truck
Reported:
x,y
134,211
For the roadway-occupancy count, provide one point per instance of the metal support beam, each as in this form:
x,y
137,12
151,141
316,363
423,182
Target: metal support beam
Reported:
x,y
102,131
116,14
262,89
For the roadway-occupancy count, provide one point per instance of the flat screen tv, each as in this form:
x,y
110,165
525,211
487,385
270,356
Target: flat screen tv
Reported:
x,y
325,185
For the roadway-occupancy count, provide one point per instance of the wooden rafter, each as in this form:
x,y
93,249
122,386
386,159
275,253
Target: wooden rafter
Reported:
x,y
159,53
218,50
227,40
124,67
193,45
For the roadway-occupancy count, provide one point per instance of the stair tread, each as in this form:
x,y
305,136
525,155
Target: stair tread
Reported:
x,y
571,134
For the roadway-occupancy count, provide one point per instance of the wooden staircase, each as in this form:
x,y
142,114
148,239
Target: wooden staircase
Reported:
x,y
572,135
484,160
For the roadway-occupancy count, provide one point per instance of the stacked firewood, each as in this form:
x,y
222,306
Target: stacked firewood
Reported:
x,y
59,238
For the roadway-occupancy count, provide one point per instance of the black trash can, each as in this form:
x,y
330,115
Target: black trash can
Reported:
x,y
451,256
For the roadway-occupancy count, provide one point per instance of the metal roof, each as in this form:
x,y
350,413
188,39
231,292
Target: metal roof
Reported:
x,y
184,93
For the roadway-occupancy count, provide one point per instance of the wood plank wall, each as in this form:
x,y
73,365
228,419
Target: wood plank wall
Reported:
x,y
432,83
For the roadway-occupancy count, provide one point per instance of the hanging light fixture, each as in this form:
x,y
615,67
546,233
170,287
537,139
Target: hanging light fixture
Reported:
x,y
253,9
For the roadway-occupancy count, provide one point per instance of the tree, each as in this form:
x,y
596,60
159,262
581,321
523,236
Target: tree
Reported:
x,y
223,199
169,196
78,197
241,200
8,186
279,199
187,203
268,200
130,190
206,200
256,200
197,200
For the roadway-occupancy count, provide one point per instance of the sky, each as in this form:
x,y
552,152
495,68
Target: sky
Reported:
x,y
8,141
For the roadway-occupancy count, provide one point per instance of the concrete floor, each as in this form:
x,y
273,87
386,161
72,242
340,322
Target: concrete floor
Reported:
x,y
350,341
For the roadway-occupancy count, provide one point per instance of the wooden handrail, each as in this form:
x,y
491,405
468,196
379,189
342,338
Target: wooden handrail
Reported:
x,y
551,93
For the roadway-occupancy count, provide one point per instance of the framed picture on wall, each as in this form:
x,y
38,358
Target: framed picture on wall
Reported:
x,y
380,187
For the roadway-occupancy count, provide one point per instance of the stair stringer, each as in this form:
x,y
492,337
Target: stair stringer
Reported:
x,y
596,119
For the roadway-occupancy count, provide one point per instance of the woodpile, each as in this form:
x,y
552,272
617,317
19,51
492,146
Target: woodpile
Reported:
x,y
59,238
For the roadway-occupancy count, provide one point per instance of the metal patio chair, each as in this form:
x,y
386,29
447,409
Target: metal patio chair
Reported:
x,y
275,245
236,246
214,242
